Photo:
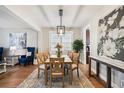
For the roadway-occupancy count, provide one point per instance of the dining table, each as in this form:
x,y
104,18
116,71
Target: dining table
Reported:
x,y
67,60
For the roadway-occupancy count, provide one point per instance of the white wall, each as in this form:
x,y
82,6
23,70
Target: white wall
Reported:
x,y
83,37
34,38
31,36
117,76
45,37
40,41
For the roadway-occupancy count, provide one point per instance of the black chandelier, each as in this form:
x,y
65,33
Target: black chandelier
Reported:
x,y
60,28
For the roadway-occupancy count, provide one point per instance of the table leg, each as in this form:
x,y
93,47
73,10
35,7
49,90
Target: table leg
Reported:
x,y
89,66
108,77
97,69
12,61
46,74
71,74
5,67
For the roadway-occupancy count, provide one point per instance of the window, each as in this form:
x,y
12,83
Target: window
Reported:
x,y
66,40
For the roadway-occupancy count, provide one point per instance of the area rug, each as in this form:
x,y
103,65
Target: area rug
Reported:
x,y
32,81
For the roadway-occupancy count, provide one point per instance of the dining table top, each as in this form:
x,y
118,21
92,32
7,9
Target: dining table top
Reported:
x,y
67,59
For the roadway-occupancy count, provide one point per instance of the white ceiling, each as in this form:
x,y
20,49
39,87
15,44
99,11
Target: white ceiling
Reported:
x,y
38,16
9,20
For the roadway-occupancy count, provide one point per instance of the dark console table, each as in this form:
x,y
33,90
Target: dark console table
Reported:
x,y
110,63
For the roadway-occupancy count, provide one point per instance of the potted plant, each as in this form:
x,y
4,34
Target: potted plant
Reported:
x,y
77,45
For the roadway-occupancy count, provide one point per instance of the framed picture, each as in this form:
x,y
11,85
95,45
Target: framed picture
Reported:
x,y
111,35
18,40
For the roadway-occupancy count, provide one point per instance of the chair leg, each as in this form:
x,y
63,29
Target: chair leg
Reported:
x,y
50,81
64,71
44,73
67,71
78,72
25,64
28,63
38,72
63,81
32,62
70,76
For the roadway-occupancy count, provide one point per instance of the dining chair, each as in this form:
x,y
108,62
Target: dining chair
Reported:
x,y
56,69
40,61
46,55
66,66
75,65
70,54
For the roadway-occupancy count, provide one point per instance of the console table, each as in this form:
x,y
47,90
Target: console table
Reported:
x,y
2,67
10,60
110,63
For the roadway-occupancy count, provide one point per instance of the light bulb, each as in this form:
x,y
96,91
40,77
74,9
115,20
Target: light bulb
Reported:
x,y
61,31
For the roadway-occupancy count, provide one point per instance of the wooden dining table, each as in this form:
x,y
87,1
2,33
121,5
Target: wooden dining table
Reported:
x,y
67,60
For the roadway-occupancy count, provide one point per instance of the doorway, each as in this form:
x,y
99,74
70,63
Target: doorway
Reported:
x,y
87,45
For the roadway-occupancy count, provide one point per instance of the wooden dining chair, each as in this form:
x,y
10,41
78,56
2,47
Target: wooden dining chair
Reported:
x,y
56,69
70,54
75,65
66,66
40,61
46,55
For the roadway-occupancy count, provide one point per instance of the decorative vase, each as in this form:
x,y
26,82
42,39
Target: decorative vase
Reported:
x,y
58,52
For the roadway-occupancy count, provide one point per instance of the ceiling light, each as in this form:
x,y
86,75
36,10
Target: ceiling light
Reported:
x,y
60,28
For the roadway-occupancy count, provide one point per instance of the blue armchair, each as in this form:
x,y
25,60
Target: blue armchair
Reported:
x,y
30,59
1,53
24,59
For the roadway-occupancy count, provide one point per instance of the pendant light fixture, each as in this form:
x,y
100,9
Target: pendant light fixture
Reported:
x,y
60,28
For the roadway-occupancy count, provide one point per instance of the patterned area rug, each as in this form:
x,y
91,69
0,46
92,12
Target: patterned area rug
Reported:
x,y
33,82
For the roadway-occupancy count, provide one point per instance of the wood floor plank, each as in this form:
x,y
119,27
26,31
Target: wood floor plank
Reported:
x,y
84,69
18,73
15,77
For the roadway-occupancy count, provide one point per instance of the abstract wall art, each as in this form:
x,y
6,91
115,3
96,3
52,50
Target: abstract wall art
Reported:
x,y
18,40
111,35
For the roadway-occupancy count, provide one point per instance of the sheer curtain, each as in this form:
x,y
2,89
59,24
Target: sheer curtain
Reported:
x,y
65,39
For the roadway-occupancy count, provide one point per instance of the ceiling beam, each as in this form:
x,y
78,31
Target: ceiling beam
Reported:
x,y
22,18
103,11
44,14
60,7
78,12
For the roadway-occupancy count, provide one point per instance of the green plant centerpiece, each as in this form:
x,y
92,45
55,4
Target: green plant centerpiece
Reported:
x,y
78,45
58,46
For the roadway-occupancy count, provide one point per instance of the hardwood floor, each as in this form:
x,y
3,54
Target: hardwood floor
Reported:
x,y
14,77
84,69
18,73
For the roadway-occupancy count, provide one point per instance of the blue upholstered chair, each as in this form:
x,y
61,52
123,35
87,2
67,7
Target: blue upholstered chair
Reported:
x,y
25,59
1,53
30,59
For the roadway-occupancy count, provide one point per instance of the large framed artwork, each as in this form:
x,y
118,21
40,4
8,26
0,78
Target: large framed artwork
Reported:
x,y
111,35
18,40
